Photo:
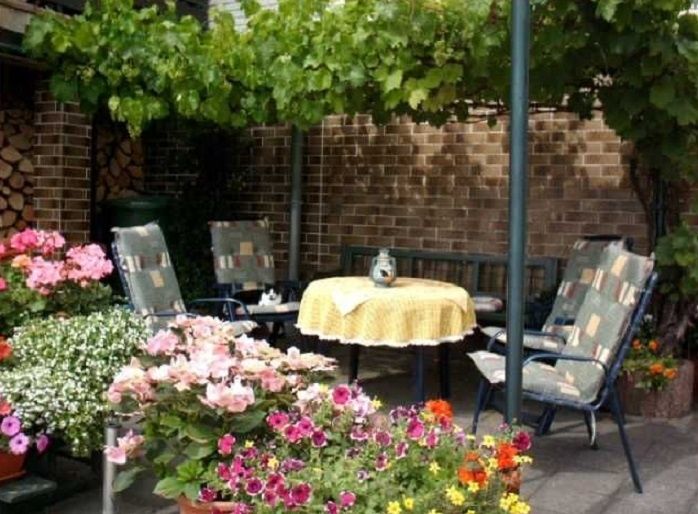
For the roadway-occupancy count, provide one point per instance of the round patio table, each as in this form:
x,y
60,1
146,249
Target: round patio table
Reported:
x,y
412,312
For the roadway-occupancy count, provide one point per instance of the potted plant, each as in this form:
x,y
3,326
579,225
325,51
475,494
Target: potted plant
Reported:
x,y
231,425
40,276
15,442
654,383
194,383
60,369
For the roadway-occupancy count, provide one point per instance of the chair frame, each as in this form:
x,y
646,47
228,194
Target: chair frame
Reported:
x,y
608,394
228,305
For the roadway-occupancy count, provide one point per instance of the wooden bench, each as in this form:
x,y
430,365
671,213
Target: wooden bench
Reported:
x,y
482,275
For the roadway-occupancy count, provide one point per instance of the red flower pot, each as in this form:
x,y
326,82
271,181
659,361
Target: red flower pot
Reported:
x,y
11,466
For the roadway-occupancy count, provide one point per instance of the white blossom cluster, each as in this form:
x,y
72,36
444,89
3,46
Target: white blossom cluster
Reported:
x,y
63,368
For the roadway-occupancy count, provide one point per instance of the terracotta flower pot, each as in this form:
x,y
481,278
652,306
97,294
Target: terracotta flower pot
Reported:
x,y
674,401
187,506
11,466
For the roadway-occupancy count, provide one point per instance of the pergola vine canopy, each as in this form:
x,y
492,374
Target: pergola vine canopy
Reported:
x,y
431,59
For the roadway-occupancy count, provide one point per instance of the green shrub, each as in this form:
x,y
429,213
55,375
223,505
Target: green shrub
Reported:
x,y
61,368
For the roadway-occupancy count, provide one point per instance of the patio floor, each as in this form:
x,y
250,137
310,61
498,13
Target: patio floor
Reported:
x,y
566,477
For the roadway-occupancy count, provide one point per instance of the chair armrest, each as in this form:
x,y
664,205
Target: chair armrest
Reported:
x,y
229,304
493,339
559,356
168,314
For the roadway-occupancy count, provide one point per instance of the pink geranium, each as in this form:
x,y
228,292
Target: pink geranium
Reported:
x,y
24,241
164,342
3,284
233,398
44,275
86,264
49,242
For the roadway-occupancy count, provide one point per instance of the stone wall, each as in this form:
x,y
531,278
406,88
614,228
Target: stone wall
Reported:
x,y
416,186
16,168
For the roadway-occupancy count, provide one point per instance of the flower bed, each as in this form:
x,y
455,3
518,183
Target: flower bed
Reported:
x,y
40,276
232,425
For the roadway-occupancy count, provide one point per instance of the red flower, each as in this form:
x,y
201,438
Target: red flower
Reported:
x,y
5,349
441,409
5,408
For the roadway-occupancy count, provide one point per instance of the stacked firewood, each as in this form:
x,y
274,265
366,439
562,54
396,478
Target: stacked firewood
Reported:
x,y
16,170
120,163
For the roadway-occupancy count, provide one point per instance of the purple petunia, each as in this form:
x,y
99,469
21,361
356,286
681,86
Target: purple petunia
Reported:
x,y
19,444
10,426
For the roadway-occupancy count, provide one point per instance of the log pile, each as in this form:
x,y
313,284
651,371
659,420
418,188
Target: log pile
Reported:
x,y
120,163
16,170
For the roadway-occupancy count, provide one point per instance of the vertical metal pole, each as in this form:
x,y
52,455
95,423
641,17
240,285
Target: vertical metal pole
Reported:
x,y
518,190
294,236
108,469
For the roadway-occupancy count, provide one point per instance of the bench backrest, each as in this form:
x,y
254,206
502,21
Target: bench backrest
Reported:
x,y
479,274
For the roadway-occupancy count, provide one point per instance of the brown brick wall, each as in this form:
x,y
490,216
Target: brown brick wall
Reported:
x,y
62,136
416,186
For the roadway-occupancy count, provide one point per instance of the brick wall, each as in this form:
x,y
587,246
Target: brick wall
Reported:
x,y
416,186
62,138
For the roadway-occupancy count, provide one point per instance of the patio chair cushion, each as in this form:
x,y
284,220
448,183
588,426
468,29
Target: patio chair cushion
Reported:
x,y
604,317
537,377
544,342
147,269
579,272
242,254
281,308
488,303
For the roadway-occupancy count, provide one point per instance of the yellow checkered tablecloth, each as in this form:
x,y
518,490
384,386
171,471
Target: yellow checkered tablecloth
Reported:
x,y
412,311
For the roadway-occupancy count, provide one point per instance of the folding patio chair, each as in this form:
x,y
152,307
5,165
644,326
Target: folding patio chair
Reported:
x,y
583,261
583,377
150,283
244,265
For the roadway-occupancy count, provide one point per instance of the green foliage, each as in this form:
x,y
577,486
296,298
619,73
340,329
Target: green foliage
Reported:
x,y
61,368
431,59
677,253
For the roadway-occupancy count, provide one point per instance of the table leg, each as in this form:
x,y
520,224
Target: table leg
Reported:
x,y
445,370
418,375
354,351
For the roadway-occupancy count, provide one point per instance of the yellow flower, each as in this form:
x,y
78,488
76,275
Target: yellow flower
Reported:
x,y
376,403
323,388
249,444
523,459
434,468
488,441
520,508
470,511
492,464
434,511
394,508
455,496
473,487
273,463
509,501
408,503
470,437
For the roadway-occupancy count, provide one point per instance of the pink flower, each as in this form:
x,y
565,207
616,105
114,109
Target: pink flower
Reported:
x,y
19,444
10,426
381,462
88,263
292,434
25,240
358,434
226,444
115,455
233,398
164,342
207,495
382,438
270,497
272,381
331,507
522,441
305,426
415,429
49,242
347,499
301,494
319,439
401,450
432,439
254,486
341,395
44,275
42,443
277,420
3,284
